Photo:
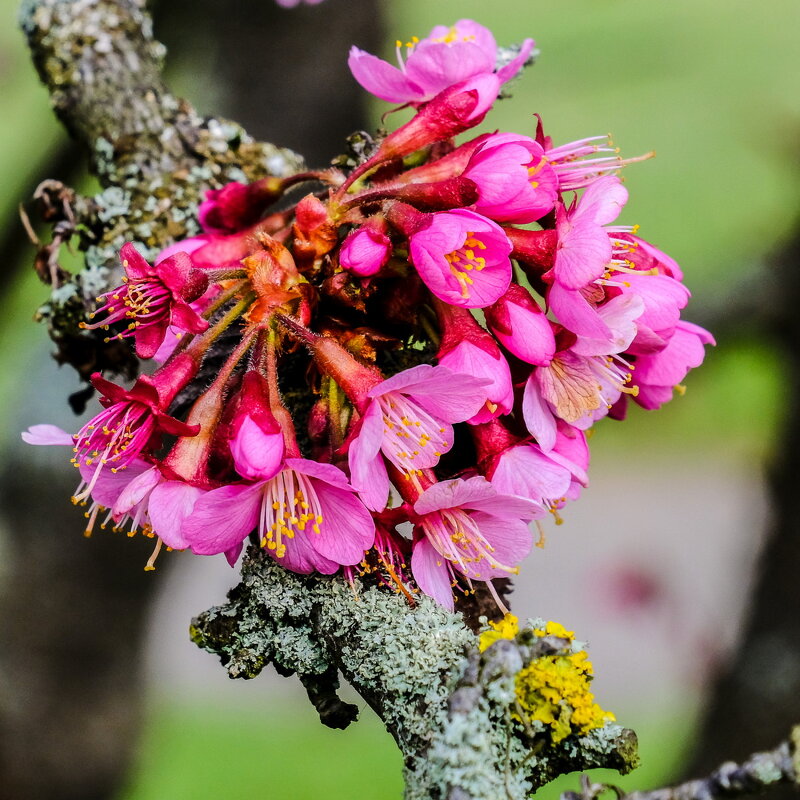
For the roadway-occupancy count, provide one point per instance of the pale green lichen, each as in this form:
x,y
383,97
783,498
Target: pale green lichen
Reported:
x,y
449,707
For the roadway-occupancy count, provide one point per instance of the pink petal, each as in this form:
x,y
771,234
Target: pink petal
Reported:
x,y
382,79
454,493
435,66
576,313
222,518
256,454
431,387
300,556
507,72
47,435
663,298
619,315
470,359
539,419
583,252
524,470
347,530
323,472
531,335
653,397
136,491
431,573
368,474
506,506
603,200
684,351
109,485
170,504
185,246
511,540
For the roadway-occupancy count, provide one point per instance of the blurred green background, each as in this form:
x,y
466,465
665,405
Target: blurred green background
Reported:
x,y
712,86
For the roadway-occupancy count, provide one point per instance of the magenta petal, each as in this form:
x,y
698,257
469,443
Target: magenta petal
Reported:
x,y
149,338
232,555
108,485
300,556
133,262
347,530
187,319
431,573
507,72
538,417
368,474
511,542
256,454
445,238
170,504
453,494
576,313
47,435
222,518
382,79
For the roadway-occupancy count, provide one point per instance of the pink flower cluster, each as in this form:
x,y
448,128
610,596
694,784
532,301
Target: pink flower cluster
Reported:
x,y
366,418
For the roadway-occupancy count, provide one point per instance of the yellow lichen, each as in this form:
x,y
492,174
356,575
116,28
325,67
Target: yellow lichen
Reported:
x,y
507,628
554,689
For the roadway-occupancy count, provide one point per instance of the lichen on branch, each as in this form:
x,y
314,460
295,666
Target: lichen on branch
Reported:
x,y
447,705
153,154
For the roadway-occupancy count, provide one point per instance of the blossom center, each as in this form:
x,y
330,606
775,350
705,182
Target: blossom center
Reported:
x,y
534,170
463,261
115,436
142,302
289,506
412,438
456,535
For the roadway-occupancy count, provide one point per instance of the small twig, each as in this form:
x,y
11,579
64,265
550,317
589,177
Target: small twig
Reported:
x,y
758,772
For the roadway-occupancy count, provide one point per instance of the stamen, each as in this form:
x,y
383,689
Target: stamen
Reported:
x,y
151,562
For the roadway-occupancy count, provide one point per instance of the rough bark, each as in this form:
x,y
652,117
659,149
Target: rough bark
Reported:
x,y
447,706
153,154
778,768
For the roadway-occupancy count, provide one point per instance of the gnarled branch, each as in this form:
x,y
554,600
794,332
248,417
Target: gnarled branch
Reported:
x,y
153,154
447,706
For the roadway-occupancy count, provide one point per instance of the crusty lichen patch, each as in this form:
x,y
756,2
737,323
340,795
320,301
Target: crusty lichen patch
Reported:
x,y
450,707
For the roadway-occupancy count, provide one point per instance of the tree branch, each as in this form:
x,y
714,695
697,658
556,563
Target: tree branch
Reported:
x,y
760,771
152,153
446,705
